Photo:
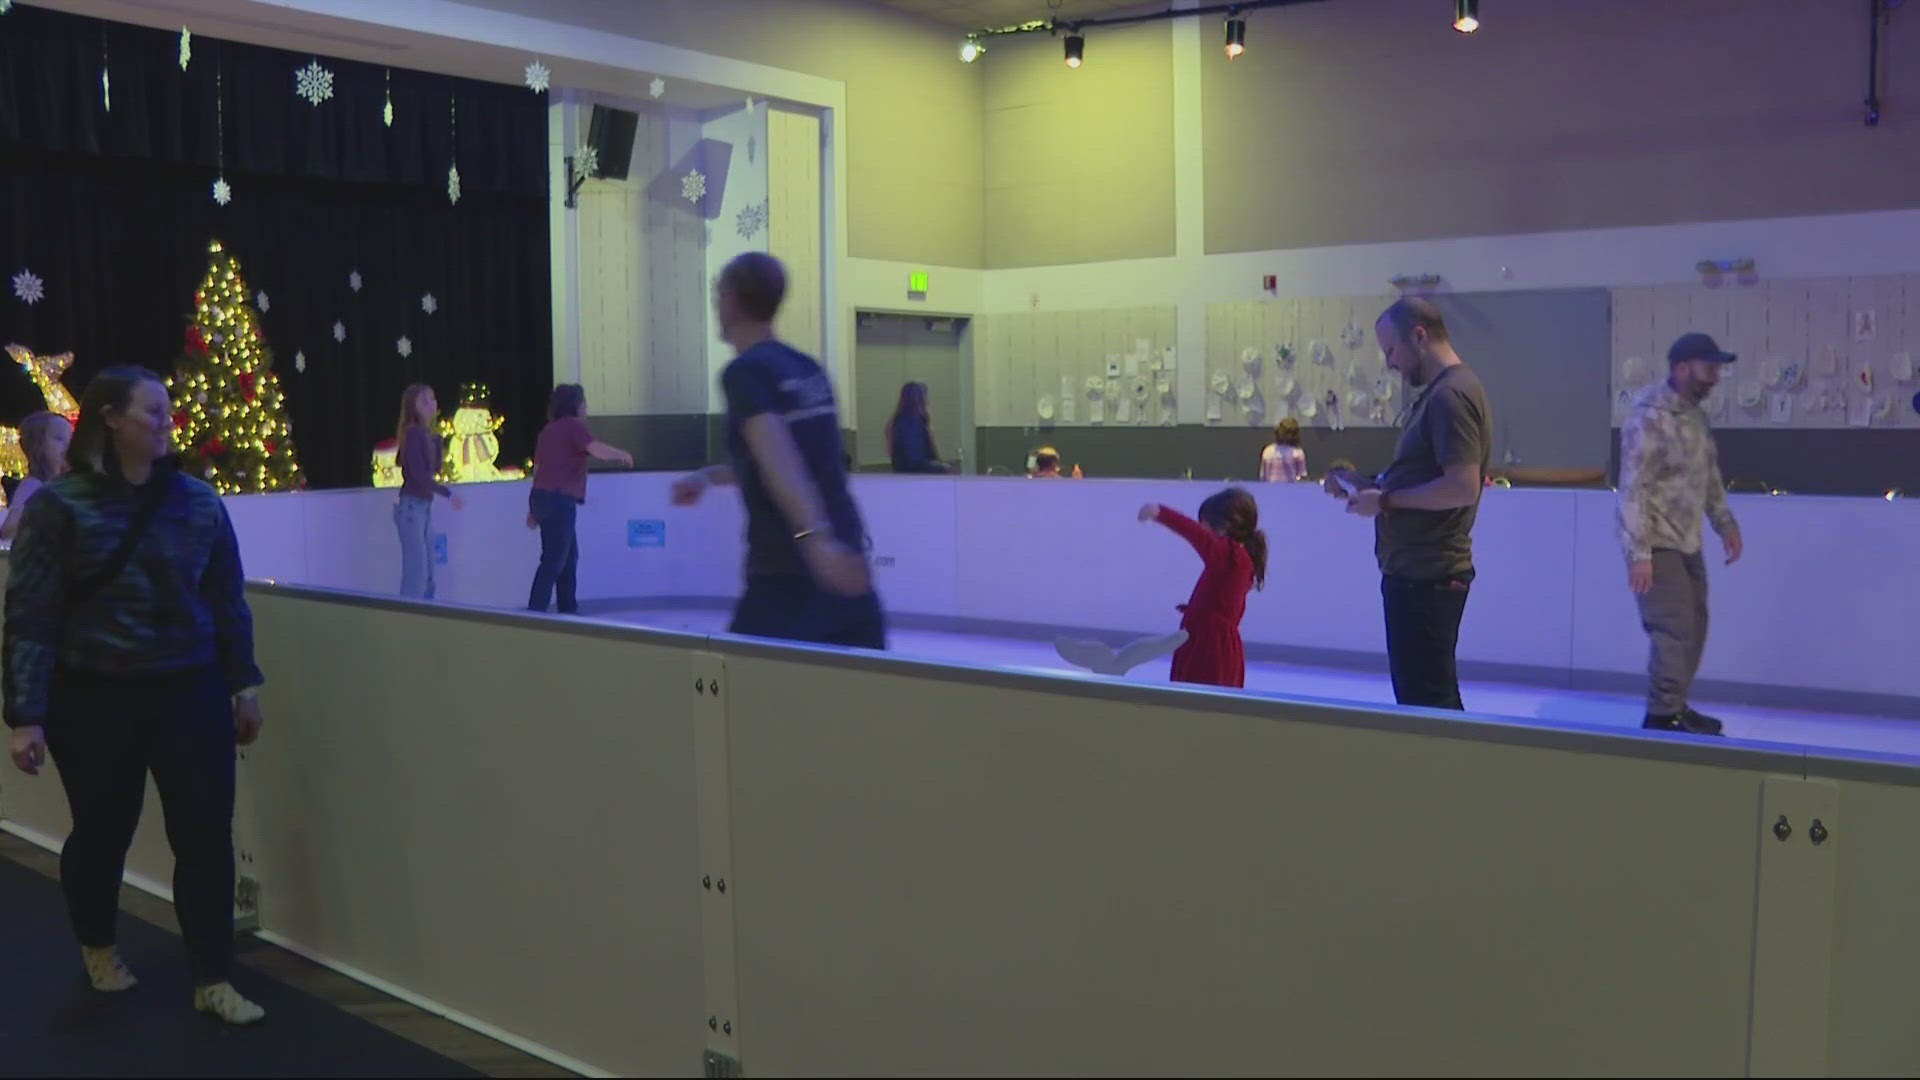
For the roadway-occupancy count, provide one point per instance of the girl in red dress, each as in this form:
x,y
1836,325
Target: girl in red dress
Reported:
x,y
1233,552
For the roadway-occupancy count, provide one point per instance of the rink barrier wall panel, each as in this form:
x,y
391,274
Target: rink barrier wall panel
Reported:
x,y
1102,875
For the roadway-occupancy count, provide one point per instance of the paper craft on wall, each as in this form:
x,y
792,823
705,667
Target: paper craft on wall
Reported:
x,y
1860,411
1165,386
1285,386
1772,369
1069,408
1634,371
1213,409
1220,383
1782,411
1308,408
1863,377
1096,385
1900,366
1751,395
1045,408
1826,361
1113,365
1168,358
1142,346
1140,389
1383,388
1283,355
1154,363
1113,388
1863,326
1320,353
1123,411
1350,335
1882,406
1244,389
1096,411
1792,374
1250,358
1133,364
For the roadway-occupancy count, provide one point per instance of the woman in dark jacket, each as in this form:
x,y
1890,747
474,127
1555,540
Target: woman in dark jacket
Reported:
x,y
129,650
910,433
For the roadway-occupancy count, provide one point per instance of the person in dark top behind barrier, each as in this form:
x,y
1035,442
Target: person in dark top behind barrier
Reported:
x,y
910,443
807,576
129,649
559,489
1424,505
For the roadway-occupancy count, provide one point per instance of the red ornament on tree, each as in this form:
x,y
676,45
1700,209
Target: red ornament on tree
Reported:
x,y
271,446
249,385
213,448
196,341
180,420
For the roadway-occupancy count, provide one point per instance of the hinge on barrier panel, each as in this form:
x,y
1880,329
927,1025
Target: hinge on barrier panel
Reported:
x,y
246,904
720,1065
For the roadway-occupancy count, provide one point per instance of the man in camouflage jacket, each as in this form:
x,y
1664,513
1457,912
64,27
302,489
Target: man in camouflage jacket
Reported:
x,y
1669,481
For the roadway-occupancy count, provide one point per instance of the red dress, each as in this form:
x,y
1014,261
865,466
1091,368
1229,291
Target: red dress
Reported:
x,y
1213,653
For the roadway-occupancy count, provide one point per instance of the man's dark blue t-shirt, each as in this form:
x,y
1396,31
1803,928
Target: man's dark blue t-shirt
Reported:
x,y
773,378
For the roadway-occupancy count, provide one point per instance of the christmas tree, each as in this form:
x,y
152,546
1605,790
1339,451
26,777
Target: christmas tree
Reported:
x,y
229,419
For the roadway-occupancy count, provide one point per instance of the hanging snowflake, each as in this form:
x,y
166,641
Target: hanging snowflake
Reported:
x,y
300,362
186,47
314,83
537,77
5,6
222,191
753,218
260,300
339,331
428,304
693,186
1350,336
453,184
353,280
106,90
590,162
28,287
386,112
750,103
404,347
657,87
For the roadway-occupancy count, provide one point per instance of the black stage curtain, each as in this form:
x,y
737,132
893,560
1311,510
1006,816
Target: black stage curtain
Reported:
x,y
113,209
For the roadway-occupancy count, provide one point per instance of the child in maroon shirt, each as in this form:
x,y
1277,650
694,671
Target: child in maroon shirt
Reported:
x,y
1207,646
559,487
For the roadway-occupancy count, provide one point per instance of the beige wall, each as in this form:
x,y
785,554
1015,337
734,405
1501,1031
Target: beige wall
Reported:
x,y
793,226
1370,120
913,116
1079,164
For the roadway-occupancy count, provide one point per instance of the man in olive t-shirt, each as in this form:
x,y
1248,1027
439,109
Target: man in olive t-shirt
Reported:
x,y
1425,503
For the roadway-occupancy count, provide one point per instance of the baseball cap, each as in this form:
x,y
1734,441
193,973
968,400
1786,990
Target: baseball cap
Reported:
x,y
1698,346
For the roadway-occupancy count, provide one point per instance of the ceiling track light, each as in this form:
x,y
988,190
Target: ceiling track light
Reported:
x,y
1466,15
1076,49
1236,34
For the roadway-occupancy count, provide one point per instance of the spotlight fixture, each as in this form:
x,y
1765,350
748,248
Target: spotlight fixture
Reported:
x,y
971,49
1236,34
1466,15
1076,49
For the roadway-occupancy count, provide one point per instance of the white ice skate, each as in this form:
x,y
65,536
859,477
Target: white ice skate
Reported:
x,y
1102,660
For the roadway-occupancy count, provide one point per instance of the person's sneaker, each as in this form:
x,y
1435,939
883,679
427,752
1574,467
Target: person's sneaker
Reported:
x,y
223,1001
106,970
1691,722
1698,723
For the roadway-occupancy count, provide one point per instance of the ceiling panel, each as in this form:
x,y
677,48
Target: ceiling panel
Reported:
x,y
977,14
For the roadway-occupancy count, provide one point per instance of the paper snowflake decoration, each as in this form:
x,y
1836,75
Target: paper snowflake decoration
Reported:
x,y
750,103
339,331
353,280
106,90
453,183
657,87
404,347
590,161
752,219
186,47
428,304
300,362
314,83
386,113
537,77
693,186
5,6
222,191
29,288
260,300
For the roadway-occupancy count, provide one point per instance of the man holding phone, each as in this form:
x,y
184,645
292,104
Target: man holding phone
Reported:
x,y
1425,503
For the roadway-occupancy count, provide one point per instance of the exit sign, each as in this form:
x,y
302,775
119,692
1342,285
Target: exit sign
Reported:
x,y
917,283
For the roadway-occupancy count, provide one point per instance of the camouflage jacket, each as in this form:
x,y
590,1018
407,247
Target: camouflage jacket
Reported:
x,y
1669,476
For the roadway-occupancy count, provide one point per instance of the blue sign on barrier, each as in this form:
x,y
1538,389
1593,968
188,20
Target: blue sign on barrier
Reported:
x,y
440,549
646,534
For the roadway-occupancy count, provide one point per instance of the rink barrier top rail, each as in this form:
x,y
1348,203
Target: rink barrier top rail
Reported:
x,y
1781,758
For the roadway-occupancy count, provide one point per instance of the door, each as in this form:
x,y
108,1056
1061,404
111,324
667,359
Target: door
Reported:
x,y
892,350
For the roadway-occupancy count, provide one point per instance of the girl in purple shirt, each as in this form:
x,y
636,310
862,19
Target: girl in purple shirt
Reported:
x,y
559,487
418,450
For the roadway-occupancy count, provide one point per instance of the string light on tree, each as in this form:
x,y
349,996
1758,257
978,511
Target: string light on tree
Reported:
x,y
228,414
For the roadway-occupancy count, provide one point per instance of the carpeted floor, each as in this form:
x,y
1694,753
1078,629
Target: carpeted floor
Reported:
x,y
53,1024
